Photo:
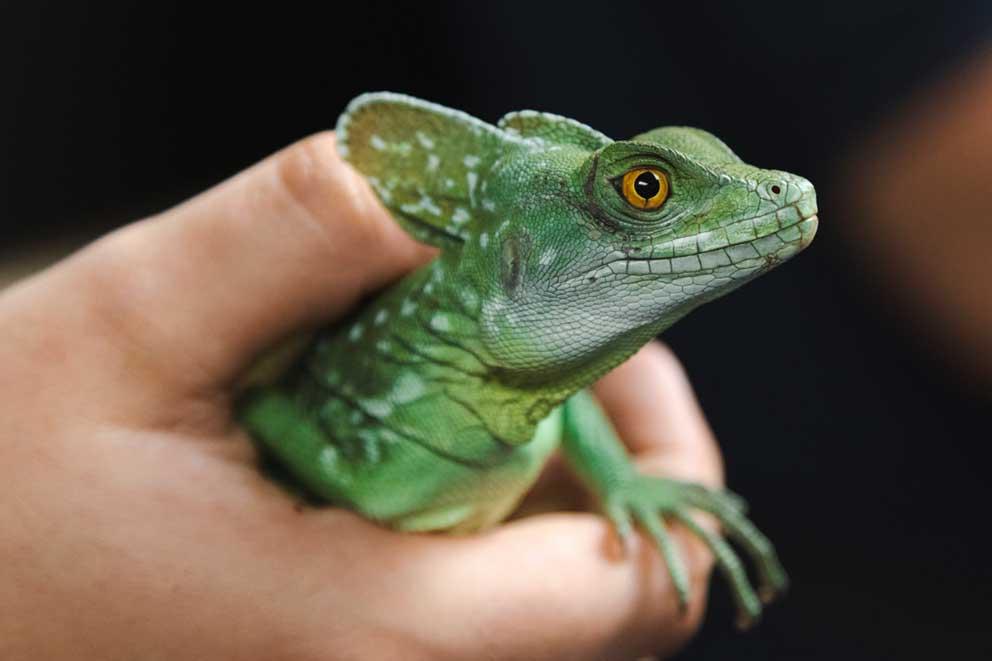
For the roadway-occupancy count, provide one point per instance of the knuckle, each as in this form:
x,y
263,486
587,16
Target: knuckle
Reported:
x,y
306,167
327,192
337,207
306,172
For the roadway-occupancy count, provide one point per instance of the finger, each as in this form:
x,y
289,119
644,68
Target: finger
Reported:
x,y
291,242
557,595
651,402
572,593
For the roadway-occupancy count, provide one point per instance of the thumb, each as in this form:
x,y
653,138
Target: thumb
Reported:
x,y
289,243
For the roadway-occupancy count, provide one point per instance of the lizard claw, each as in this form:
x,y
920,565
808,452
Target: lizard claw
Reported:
x,y
649,500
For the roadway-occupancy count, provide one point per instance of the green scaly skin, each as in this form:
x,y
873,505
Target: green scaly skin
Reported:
x,y
436,405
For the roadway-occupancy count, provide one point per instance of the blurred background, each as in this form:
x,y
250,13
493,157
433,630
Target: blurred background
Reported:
x,y
851,388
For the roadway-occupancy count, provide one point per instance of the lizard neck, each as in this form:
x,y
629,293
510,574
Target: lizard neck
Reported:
x,y
449,319
429,324
425,329
447,328
548,390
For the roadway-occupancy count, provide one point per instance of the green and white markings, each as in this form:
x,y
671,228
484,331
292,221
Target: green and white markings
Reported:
x,y
552,129
430,177
421,410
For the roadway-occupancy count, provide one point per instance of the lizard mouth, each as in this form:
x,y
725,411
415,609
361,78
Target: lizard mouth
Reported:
x,y
759,242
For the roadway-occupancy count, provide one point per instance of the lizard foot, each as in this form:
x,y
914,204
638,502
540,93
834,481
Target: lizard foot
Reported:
x,y
647,500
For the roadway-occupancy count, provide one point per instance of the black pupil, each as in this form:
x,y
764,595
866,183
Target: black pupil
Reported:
x,y
647,185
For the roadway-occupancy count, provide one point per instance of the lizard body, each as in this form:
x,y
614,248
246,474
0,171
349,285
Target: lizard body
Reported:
x,y
562,253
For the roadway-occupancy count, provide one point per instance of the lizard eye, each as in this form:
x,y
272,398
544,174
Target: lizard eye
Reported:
x,y
644,188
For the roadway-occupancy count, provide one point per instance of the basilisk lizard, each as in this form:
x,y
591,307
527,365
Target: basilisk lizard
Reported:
x,y
435,406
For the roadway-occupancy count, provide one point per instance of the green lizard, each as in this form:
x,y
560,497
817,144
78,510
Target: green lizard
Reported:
x,y
562,252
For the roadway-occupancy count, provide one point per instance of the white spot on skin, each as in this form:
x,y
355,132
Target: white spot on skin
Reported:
x,y
472,179
377,143
548,256
433,163
355,333
328,456
425,203
469,298
483,239
377,407
471,161
449,183
460,216
370,445
408,387
407,308
488,205
424,140
380,317
440,322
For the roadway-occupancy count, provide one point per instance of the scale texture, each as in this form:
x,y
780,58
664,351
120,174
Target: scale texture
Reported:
x,y
434,407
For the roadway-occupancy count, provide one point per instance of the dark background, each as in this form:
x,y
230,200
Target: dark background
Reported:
x,y
863,455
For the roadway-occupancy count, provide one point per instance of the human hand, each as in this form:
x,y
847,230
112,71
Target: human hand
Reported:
x,y
136,523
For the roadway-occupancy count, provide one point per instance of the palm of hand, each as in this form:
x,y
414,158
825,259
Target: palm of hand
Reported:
x,y
141,525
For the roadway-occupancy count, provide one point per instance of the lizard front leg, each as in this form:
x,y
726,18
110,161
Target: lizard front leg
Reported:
x,y
626,496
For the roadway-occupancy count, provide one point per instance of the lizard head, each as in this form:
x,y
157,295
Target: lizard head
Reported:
x,y
569,250
597,251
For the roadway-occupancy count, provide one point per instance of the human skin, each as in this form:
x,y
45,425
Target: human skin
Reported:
x,y
924,222
136,522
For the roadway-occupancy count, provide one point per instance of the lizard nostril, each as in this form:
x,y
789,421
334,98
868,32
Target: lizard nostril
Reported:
x,y
776,189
